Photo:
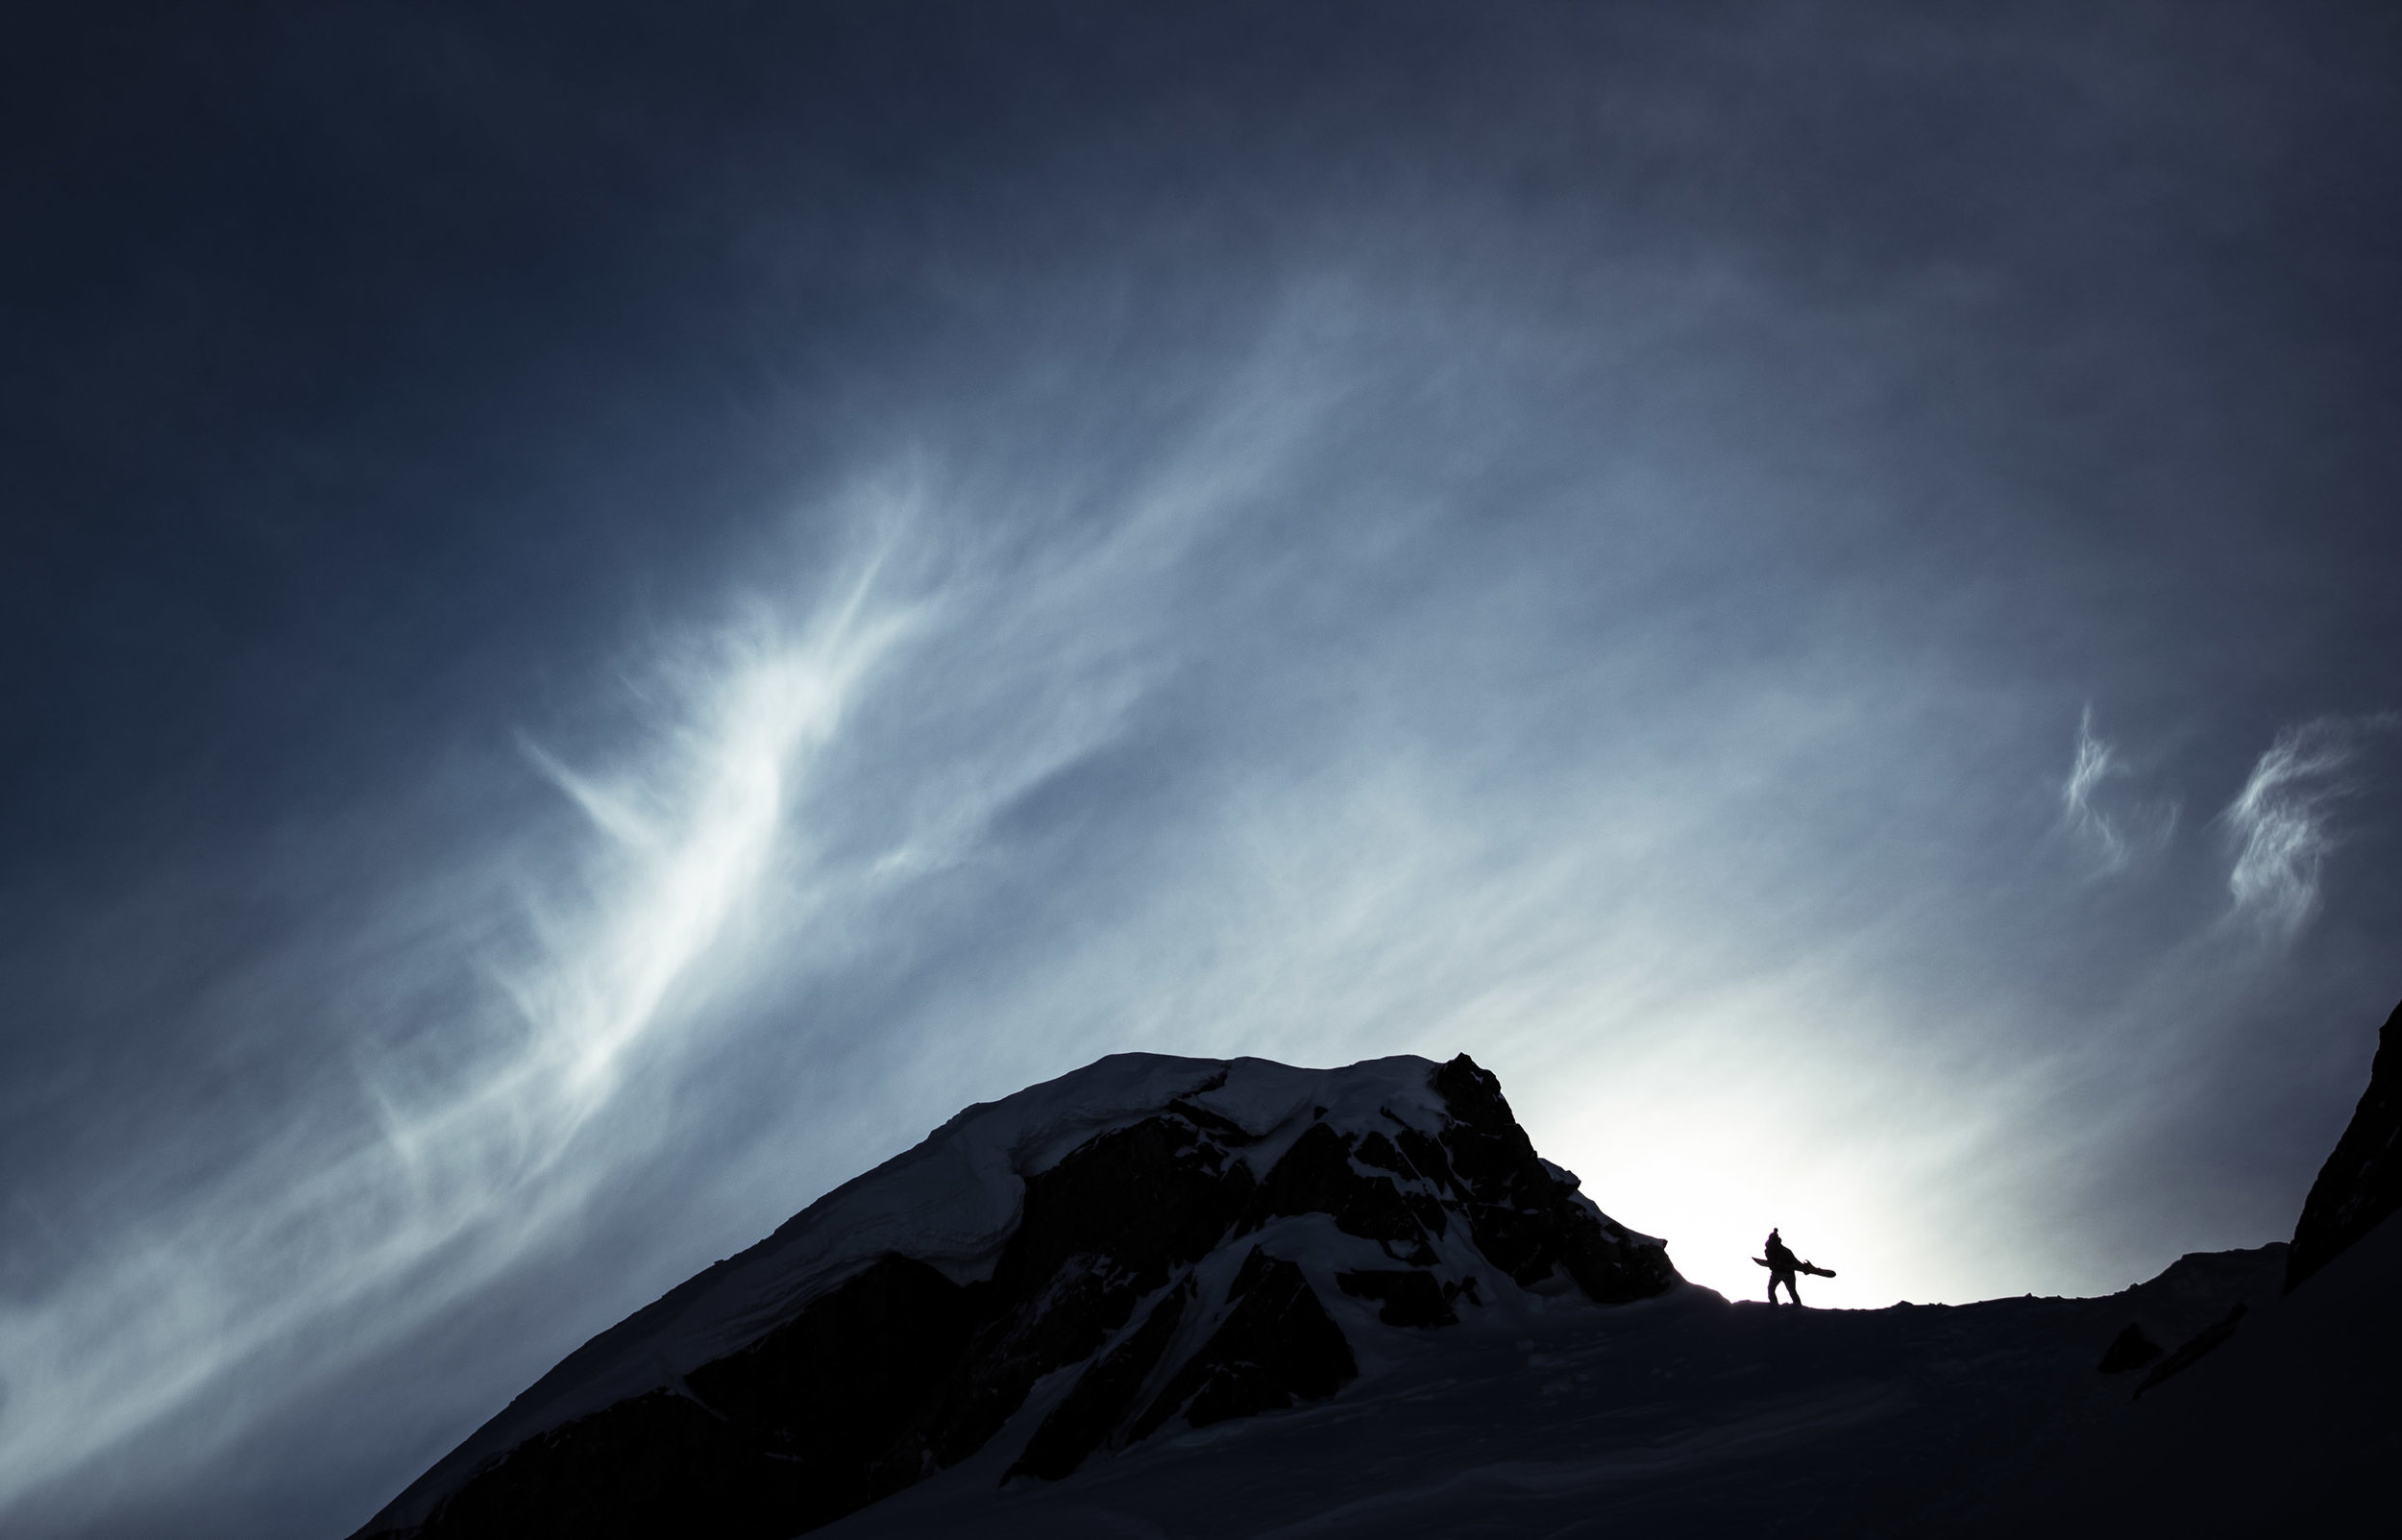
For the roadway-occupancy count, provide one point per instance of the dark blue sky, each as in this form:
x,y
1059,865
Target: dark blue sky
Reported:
x,y
608,611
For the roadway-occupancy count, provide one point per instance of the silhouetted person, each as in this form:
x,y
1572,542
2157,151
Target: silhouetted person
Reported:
x,y
1782,1265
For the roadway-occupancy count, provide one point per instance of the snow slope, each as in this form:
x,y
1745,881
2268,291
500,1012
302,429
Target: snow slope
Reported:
x,y
1685,1415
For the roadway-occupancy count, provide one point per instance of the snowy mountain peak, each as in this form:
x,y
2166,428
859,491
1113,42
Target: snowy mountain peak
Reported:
x,y
1150,1242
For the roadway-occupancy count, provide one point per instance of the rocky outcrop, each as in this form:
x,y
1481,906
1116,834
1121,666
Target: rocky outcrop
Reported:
x,y
2129,1350
1525,1214
1185,1264
2361,1181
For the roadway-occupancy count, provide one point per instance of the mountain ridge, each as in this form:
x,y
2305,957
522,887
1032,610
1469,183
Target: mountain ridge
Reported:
x,y
1185,1233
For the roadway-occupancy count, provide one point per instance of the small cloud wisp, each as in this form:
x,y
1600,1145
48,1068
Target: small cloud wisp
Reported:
x,y
2113,842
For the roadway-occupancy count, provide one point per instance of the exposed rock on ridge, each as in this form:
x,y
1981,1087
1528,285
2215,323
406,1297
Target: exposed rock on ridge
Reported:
x,y
2361,1181
1211,1255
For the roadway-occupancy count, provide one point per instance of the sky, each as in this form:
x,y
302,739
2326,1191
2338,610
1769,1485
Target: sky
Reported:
x,y
609,612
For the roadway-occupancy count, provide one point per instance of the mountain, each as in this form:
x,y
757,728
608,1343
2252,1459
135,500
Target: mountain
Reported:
x,y
1178,1298
1148,1246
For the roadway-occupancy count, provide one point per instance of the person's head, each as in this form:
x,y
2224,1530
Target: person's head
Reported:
x,y
1771,1234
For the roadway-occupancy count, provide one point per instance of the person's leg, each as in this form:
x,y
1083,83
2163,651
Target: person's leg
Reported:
x,y
1771,1288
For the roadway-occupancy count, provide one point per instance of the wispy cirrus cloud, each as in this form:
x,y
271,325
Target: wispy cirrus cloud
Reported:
x,y
456,1161
845,735
2282,824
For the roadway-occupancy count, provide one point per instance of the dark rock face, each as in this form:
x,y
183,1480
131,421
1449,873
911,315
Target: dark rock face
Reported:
x,y
2129,1350
2361,1181
1104,1397
900,1372
1101,1230
1410,1299
1316,1176
1524,1220
1277,1345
